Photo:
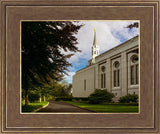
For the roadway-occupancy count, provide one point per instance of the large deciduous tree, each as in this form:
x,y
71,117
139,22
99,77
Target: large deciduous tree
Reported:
x,y
42,58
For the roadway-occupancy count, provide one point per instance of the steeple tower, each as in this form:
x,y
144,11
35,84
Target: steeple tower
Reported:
x,y
95,48
95,40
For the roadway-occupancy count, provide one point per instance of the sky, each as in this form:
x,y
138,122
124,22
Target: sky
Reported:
x,y
109,34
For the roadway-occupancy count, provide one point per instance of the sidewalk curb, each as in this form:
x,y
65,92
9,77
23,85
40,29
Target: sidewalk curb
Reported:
x,y
40,108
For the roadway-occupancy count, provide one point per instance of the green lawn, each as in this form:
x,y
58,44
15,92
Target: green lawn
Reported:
x,y
33,106
107,108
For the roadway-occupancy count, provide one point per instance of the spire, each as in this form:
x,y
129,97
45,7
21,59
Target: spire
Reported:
x,y
95,48
95,40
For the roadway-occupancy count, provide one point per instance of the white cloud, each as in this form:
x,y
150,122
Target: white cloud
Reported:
x,y
69,76
109,34
119,28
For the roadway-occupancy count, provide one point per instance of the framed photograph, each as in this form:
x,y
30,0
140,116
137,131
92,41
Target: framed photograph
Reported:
x,y
113,84
106,80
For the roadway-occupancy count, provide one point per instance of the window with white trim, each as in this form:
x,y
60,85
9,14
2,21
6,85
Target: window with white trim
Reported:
x,y
134,70
116,74
103,77
84,85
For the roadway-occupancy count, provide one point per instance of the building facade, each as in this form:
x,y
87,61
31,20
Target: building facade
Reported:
x,y
116,70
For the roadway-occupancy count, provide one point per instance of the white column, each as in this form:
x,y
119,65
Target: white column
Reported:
x,y
124,80
96,76
108,75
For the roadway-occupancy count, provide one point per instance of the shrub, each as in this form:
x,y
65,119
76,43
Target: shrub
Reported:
x,y
80,98
33,96
129,98
100,96
71,98
63,99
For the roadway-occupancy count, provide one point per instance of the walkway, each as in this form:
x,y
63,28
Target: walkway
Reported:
x,y
56,106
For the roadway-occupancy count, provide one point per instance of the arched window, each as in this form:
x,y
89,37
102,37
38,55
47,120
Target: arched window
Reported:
x,y
84,85
134,70
116,73
103,77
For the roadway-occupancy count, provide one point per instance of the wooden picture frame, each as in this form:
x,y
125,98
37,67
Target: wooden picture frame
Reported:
x,y
146,121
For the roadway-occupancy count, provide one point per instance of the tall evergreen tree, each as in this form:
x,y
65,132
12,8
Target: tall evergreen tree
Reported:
x,y
42,58
135,24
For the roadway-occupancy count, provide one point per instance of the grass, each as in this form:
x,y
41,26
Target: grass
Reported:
x,y
33,106
107,108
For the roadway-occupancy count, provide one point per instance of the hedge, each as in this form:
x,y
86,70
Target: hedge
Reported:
x,y
71,98
129,98
100,96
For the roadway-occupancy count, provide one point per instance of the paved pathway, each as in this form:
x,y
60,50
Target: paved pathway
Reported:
x,y
56,106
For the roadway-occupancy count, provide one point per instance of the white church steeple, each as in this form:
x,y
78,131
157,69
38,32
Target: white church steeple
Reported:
x,y
95,48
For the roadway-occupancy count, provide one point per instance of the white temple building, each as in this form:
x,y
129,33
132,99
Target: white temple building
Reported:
x,y
116,70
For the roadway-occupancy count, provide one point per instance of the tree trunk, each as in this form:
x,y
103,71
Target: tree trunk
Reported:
x,y
44,98
40,99
26,97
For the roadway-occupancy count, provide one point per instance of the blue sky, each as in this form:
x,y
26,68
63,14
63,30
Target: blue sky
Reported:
x,y
109,34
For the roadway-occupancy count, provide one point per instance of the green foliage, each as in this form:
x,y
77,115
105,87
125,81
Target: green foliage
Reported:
x,y
70,98
41,50
63,99
100,96
33,106
42,58
135,24
129,98
49,92
80,99
108,108
23,94
62,89
33,96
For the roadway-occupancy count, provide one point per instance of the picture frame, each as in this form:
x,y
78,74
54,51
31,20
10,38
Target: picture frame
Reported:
x,y
146,121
